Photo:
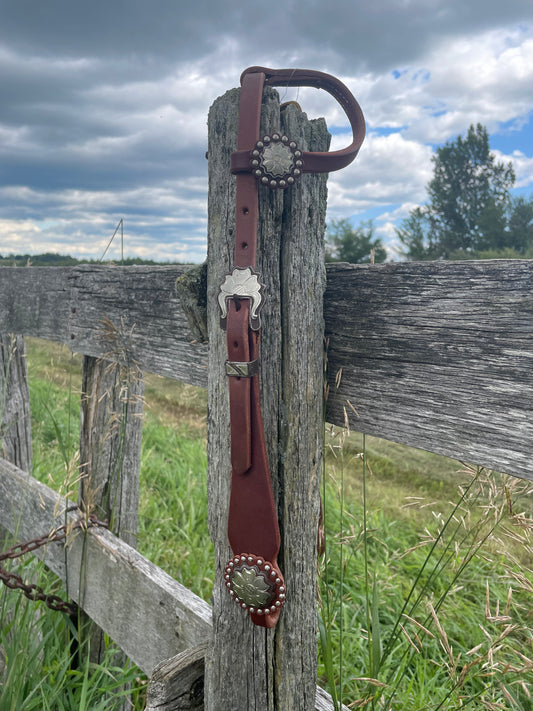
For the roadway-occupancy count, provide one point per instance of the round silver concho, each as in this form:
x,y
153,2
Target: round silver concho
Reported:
x,y
276,161
254,584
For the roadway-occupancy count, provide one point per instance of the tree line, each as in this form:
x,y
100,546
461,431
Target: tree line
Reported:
x,y
470,212
53,259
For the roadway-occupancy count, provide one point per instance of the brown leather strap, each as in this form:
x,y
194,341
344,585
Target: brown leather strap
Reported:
x,y
253,531
252,518
319,162
252,575
246,198
239,390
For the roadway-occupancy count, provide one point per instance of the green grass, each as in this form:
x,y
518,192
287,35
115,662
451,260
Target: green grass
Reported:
x,y
430,618
173,505
173,493
42,666
399,629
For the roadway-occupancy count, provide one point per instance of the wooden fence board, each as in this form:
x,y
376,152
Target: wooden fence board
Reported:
x,y
117,313
145,611
177,684
35,302
144,320
437,355
15,416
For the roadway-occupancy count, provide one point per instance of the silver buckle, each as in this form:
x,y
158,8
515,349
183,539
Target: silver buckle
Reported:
x,y
242,283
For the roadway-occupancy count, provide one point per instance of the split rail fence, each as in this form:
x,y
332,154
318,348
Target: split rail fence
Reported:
x,y
434,355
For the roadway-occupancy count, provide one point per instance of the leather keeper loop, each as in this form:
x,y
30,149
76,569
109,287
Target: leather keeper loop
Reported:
x,y
236,369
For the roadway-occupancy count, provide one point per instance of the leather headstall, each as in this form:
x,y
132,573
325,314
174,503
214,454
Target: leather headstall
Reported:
x,y
252,575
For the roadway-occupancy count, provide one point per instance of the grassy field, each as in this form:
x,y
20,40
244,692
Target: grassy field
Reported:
x,y
426,588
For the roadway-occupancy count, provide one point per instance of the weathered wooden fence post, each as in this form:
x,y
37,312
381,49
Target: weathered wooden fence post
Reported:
x,y
110,443
15,417
110,452
250,667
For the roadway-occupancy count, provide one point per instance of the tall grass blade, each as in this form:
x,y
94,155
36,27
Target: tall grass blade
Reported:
x,y
63,446
327,657
376,631
430,558
365,553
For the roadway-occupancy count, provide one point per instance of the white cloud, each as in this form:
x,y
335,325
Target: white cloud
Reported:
x,y
389,170
111,122
167,222
485,78
523,166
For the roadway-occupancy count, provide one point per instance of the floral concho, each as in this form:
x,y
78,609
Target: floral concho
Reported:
x,y
276,161
255,584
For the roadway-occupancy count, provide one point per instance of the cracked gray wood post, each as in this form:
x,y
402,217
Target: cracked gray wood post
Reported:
x,y
249,667
15,416
177,684
110,451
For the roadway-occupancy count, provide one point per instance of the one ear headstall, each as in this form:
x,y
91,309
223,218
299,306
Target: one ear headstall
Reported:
x,y
252,576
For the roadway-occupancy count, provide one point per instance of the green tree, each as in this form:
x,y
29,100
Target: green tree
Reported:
x,y
469,203
345,243
519,234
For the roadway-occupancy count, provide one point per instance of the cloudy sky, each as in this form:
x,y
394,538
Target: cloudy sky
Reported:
x,y
104,104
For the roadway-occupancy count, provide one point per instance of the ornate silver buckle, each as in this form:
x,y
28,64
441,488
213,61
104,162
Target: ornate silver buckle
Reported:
x,y
242,283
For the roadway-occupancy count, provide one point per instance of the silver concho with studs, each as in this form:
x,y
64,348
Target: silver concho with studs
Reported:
x,y
276,161
254,584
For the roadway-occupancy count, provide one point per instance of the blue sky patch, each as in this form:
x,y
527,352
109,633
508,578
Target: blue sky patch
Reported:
x,y
512,136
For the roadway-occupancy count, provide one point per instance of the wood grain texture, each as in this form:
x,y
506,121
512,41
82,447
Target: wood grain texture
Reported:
x,y
117,313
279,665
15,416
177,684
324,702
35,302
434,354
145,611
191,289
437,355
110,458
110,444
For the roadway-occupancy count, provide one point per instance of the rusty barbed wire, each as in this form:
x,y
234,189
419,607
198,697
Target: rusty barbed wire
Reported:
x,y
35,592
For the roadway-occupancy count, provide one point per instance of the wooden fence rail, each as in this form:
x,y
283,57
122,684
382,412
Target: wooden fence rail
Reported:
x,y
436,355
145,611
106,312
